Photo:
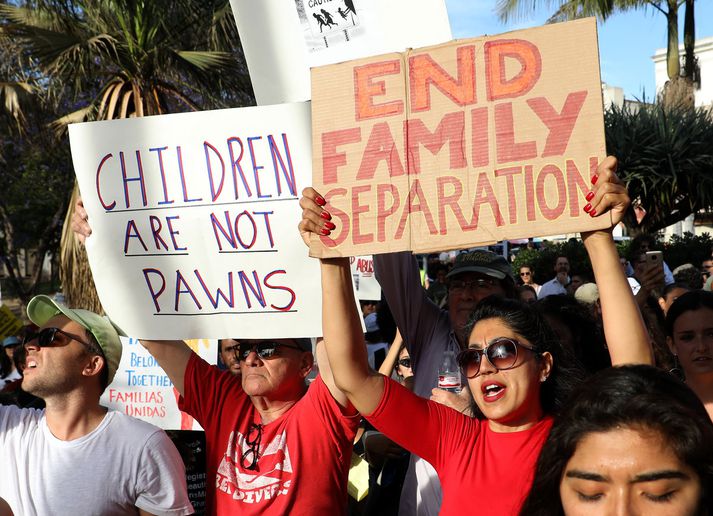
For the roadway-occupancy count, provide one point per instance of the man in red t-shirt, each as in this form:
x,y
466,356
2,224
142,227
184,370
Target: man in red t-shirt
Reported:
x,y
274,445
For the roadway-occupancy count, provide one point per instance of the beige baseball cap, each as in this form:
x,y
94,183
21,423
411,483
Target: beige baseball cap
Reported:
x,y
42,308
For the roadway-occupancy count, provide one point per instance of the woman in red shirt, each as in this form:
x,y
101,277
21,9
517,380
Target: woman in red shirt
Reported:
x,y
517,371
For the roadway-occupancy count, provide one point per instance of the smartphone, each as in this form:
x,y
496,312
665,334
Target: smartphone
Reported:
x,y
654,259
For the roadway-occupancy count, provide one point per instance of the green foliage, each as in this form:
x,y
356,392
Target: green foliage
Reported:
x,y
688,248
665,157
543,260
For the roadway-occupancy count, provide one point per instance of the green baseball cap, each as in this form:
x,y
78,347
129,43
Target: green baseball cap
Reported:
x,y
41,309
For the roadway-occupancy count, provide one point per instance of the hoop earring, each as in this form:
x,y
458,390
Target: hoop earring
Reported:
x,y
677,370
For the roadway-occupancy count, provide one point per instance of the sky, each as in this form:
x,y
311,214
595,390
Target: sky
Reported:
x,y
627,41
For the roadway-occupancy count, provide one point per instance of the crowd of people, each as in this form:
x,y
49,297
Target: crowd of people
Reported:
x,y
578,395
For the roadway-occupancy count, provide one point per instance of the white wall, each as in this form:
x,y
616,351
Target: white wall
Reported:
x,y
704,52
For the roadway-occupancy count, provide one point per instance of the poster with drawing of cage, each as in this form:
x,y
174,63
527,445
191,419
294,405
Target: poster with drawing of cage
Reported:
x,y
327,23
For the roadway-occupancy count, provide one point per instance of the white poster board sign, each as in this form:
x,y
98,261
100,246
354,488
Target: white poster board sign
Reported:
x,y
194,219
364,279
283,39
142,389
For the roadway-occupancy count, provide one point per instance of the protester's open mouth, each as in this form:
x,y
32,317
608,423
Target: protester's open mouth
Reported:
x,y
30,364
493,391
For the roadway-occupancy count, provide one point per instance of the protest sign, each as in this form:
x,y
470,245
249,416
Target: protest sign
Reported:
x,y
282,39
194,221
365,285
142,389
461,144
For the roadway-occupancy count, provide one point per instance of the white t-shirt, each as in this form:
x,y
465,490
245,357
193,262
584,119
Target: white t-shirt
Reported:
x,y
122,464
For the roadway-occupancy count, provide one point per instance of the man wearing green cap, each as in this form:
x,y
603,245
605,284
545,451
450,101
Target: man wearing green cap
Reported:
x,y
75,456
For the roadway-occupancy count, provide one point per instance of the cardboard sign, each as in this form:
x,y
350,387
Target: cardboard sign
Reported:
x,y
282,39
142,389
194,222
461,144
365,285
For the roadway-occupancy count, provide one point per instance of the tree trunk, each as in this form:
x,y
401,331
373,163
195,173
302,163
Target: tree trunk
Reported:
x,y
673,59
689,42
74,273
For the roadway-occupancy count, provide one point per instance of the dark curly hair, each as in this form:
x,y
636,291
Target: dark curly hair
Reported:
x,y
566,372
635,397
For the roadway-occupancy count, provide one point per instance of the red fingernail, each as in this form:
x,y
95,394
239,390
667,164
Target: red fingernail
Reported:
x,y
320,200
593,213
587,207
324,231
329,225
595,178
589,196
325,215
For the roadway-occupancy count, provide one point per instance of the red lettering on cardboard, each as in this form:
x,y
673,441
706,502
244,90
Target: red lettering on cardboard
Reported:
x,y
380,147
366,88
424,72
451,129
507,149
560,124
331,158
498,86
547,212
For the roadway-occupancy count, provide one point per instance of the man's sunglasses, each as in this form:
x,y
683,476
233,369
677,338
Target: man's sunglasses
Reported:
x,y
265,349
47,336
501,353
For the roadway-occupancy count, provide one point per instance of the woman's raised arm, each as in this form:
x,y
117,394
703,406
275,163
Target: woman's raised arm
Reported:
x,y
626,334
342,332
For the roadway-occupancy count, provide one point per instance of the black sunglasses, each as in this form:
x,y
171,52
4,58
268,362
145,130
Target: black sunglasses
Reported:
x,y
253,452
47,336
265,349
404,362
500,352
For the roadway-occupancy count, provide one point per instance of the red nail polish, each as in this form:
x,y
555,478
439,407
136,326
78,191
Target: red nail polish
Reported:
x,y
325,215
329,225
589,196
587,207
595,178
593,213
324,231
320,200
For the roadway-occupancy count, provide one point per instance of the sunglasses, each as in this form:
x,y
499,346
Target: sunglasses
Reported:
x,y
525,273
47,337
501,353
248,459
404,362
265,350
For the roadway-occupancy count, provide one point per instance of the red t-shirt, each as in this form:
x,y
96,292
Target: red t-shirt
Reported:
x,y
304,455
480,470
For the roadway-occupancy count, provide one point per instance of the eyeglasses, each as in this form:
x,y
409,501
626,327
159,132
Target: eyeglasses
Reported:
x,y
265,349
253,441
404,362
501,353
461,285
525,273
47,336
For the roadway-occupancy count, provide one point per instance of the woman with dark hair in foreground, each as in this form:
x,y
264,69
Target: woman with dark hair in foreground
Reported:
x,y
632,440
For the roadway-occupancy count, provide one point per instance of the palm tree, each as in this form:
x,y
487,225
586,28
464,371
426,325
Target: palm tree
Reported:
x,y
679,91
665,158
125,58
